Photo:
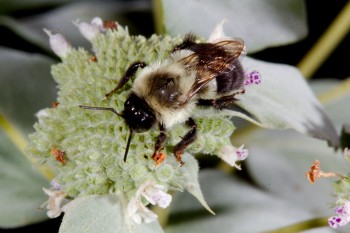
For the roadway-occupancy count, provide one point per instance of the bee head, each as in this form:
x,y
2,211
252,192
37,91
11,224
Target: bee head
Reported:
x,y
138,115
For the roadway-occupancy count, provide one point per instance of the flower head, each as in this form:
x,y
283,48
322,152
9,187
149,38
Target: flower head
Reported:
x,y
85,147
88,144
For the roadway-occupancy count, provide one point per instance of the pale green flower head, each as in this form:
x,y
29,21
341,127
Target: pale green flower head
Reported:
x,y
86,147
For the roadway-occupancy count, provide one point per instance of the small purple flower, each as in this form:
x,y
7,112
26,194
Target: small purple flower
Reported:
x,y
154,194
55,185
253,77
57,201
343,216
231,155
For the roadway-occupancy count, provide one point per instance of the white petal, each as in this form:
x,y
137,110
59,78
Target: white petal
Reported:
x,y
156,196
138,212
337,221
132,206
97,21
53,213
42,113
54,203
218,32
137,218
231,155
164,202
242,153
90,31
58,44
147,215
48,192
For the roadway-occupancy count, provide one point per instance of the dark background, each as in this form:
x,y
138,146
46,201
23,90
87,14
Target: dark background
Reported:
x,y
320,15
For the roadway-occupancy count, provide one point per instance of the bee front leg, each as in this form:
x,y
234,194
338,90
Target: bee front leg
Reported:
x,y
127,75
158,156
186,140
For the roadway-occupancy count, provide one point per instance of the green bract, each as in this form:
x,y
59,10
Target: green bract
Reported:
x,y
342,189
94,142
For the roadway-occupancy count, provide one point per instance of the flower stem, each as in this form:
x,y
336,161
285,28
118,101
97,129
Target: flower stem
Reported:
x,y
158,16
20,142
302,226
163,215
326,43
335,93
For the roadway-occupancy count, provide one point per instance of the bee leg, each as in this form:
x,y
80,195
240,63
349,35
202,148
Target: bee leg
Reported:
x,y
206,102
127,75
186,140
224,101
158,156
220,103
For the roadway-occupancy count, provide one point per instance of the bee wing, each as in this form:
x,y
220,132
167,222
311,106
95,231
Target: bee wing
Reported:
x,y
234,46
212,64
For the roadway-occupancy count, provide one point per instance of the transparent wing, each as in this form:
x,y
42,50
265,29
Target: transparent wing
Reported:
x,y
210,60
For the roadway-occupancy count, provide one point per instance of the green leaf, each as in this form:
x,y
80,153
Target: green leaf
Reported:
x,y
191,184
239,207
336,99
13,5
320,87
105,214
277,163
278,160
261,24
27,87
21,192
284,100
60,20
25,32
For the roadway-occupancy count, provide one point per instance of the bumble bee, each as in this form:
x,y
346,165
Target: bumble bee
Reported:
x,y
168,92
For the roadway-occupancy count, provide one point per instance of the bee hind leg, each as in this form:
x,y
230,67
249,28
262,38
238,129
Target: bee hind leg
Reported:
x,y
186,140
220,103
127,75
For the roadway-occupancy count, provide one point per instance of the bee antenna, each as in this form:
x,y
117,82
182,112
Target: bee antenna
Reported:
x,y
128,145
101,109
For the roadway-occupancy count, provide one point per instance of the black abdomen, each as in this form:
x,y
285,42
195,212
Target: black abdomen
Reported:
x,y
231,80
